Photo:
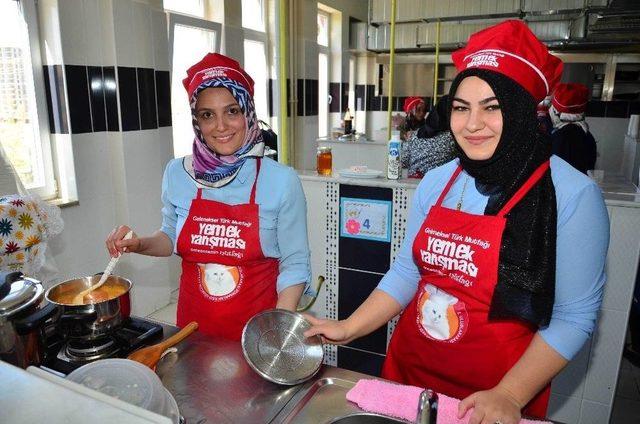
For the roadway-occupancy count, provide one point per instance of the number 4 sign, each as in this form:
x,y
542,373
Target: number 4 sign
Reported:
x,y
365,219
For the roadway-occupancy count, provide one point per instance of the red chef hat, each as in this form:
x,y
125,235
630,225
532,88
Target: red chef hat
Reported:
x,y
215,65
542,110
511,49
570,98
410,103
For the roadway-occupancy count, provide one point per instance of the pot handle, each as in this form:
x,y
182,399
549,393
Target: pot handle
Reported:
x,y
26,325
6,279
88,316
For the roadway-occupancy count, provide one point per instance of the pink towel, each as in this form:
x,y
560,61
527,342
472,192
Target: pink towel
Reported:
x,y
401,401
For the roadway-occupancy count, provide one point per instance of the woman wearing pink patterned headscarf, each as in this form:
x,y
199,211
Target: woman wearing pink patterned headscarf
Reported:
x,y
237,219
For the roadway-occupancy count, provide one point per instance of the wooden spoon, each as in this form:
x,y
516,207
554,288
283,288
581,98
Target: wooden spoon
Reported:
x,y
79,298
150,355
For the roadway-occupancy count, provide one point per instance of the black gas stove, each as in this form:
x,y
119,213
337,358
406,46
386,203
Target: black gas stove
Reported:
x,y
64,356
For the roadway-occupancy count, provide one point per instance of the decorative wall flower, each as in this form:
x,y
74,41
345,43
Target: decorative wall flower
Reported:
x,y
353,226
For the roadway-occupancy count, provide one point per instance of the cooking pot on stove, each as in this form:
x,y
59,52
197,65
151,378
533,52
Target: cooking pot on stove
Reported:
x,y
23,320
97,314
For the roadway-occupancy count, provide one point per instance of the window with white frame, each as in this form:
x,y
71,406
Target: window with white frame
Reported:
x,y
255,60
323,72
255,52
189,40
24,129
253,15
188,7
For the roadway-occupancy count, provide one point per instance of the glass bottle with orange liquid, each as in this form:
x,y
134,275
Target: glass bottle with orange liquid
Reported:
x,y
324,160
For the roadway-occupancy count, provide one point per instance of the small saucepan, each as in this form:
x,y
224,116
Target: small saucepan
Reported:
x,y
101,311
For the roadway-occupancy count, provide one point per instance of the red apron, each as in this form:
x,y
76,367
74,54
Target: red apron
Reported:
x,y
444,339
226,279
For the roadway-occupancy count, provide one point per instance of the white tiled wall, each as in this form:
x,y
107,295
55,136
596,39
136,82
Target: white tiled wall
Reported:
x,y
592,393
594,412
345,155
609,135
98,33
564,409
305,144
72,31
159,40
118,174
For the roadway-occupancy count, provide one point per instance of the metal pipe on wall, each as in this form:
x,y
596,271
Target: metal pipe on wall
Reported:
x,y
291,86
283,124
436,63
392,59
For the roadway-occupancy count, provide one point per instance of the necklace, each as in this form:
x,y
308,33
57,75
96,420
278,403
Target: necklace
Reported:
x,y
464,187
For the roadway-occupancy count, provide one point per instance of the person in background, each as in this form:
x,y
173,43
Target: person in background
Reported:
x,y
497,297
415,110
432,145
572,140
542,113
237,219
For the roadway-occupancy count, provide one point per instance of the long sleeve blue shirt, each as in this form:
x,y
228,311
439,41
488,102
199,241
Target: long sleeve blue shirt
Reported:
x,y
282,211
581,248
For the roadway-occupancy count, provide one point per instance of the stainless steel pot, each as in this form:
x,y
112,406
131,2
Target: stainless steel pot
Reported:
x,y
91,319
23,320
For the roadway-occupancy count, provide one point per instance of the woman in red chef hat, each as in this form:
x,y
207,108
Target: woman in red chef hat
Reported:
x,y
571,139
496,297
237,219
415,110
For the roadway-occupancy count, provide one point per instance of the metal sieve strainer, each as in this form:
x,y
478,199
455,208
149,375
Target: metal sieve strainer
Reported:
x,y
274,346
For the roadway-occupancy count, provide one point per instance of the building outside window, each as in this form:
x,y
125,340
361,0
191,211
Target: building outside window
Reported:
x,y
24,130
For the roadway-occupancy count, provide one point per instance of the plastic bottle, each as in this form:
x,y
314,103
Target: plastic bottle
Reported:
x,y
348,121
394,168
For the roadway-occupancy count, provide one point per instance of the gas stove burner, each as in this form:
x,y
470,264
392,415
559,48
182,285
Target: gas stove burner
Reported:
x,y
64,356
90,350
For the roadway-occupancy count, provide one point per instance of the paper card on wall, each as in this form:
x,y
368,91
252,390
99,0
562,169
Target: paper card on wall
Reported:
x,y
365,219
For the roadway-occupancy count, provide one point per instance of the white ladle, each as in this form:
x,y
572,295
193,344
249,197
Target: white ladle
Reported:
x,y
79,298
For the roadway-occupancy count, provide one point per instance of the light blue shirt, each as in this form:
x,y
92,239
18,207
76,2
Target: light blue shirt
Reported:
x,y
581,248
283,211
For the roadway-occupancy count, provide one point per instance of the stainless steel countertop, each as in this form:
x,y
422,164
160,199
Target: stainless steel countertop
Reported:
x,y
212,382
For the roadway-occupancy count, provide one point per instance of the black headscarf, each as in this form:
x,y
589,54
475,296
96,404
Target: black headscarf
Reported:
x,y
527,264
437,120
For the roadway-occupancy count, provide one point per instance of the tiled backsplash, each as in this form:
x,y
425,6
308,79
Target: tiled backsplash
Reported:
x,y
145,98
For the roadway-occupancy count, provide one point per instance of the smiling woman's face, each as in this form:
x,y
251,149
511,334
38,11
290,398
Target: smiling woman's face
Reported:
x,y
221,120
476,119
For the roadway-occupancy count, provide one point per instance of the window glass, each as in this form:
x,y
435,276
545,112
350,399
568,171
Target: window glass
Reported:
x,y
255,63
253,14
187,7
190,44
19,125
323,29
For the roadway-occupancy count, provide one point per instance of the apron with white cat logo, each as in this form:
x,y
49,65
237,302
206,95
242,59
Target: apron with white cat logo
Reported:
x,y
226,279
444,340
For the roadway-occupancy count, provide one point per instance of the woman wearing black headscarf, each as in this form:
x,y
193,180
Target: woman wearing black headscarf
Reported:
x,y
433,145
496,296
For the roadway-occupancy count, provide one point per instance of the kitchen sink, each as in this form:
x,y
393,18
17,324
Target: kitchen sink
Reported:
x,y
365,418
324,401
